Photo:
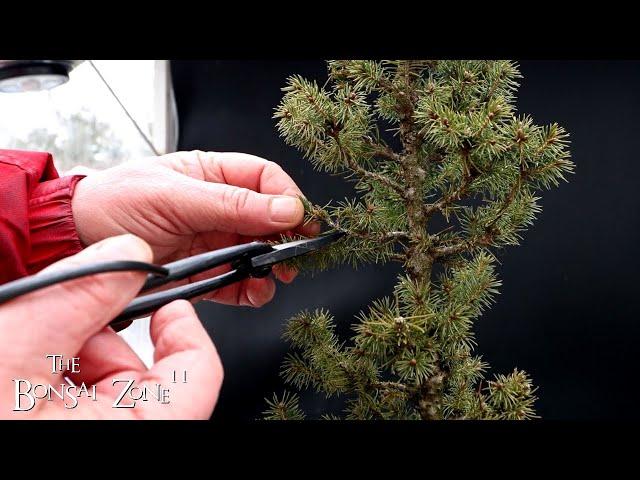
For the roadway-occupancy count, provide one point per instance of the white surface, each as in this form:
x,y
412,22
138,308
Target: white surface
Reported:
x,y
134,81
138,338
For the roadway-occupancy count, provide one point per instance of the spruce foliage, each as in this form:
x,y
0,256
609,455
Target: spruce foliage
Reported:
x,y
457,151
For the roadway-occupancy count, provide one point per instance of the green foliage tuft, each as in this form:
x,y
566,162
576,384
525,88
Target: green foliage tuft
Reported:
x,y
283,408
459,151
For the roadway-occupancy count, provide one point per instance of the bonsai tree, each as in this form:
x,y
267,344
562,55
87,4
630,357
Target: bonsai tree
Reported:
x,y
445,175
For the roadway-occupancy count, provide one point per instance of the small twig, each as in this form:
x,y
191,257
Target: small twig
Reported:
x,y
507,202
533,171
465,245
444,230
374,175
382,150
353,165
392,385
445,201
446,251
456,195
396,236
398,257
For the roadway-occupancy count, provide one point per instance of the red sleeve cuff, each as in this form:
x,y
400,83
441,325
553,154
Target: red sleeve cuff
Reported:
x,y
51,224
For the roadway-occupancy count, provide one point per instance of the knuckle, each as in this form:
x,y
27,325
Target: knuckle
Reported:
x,y
271,170
237,199
192,163
171,335
196,154
273,166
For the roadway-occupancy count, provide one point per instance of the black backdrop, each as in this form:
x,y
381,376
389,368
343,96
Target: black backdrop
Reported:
x,y
567,310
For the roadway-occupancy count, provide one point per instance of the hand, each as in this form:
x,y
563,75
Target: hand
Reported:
x,y
187,203
78,328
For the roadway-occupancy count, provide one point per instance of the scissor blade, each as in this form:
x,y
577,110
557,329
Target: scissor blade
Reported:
x,y
294,249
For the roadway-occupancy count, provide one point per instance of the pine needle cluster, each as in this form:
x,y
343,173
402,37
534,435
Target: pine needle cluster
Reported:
x,y
425,143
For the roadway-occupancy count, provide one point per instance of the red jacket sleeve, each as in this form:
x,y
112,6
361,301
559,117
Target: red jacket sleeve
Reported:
x,y
36,221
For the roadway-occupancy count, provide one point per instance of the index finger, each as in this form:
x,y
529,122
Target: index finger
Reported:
x,y
183,346
233,168
240,170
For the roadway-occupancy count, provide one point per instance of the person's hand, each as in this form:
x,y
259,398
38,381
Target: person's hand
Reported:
x,y
187,203
71,319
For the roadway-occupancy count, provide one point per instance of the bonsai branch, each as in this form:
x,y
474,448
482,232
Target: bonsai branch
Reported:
x,y
363,172
452,197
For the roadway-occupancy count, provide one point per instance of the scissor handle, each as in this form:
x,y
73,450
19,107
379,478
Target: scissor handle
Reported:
x,y
187,267
142,306
32,283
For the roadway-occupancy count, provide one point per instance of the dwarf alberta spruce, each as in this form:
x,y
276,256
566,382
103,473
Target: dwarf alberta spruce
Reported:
x,y
445,174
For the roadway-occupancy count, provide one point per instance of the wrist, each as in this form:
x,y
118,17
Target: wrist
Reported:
x,y
81,210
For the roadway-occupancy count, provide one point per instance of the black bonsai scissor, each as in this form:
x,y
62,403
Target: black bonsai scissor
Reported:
x,y
253,259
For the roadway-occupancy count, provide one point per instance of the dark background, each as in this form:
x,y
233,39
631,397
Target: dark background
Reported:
x,y
566,313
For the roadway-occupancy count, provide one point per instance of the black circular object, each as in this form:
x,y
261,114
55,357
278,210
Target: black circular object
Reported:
x,y
20,69
33,75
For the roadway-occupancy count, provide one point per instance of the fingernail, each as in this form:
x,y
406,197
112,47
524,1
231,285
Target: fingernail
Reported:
x,y
285,210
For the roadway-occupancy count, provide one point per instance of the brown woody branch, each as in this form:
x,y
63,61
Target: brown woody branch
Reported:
x,y
445,251
363,172
386,237
487,238
381,150
383,179
447,200
507,201
392,385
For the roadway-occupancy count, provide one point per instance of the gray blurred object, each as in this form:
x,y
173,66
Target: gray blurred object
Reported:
x,y
20,76
165,138
166,111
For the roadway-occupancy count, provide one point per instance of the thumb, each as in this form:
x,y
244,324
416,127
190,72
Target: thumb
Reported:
x,y
59,319
226,208
183,345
